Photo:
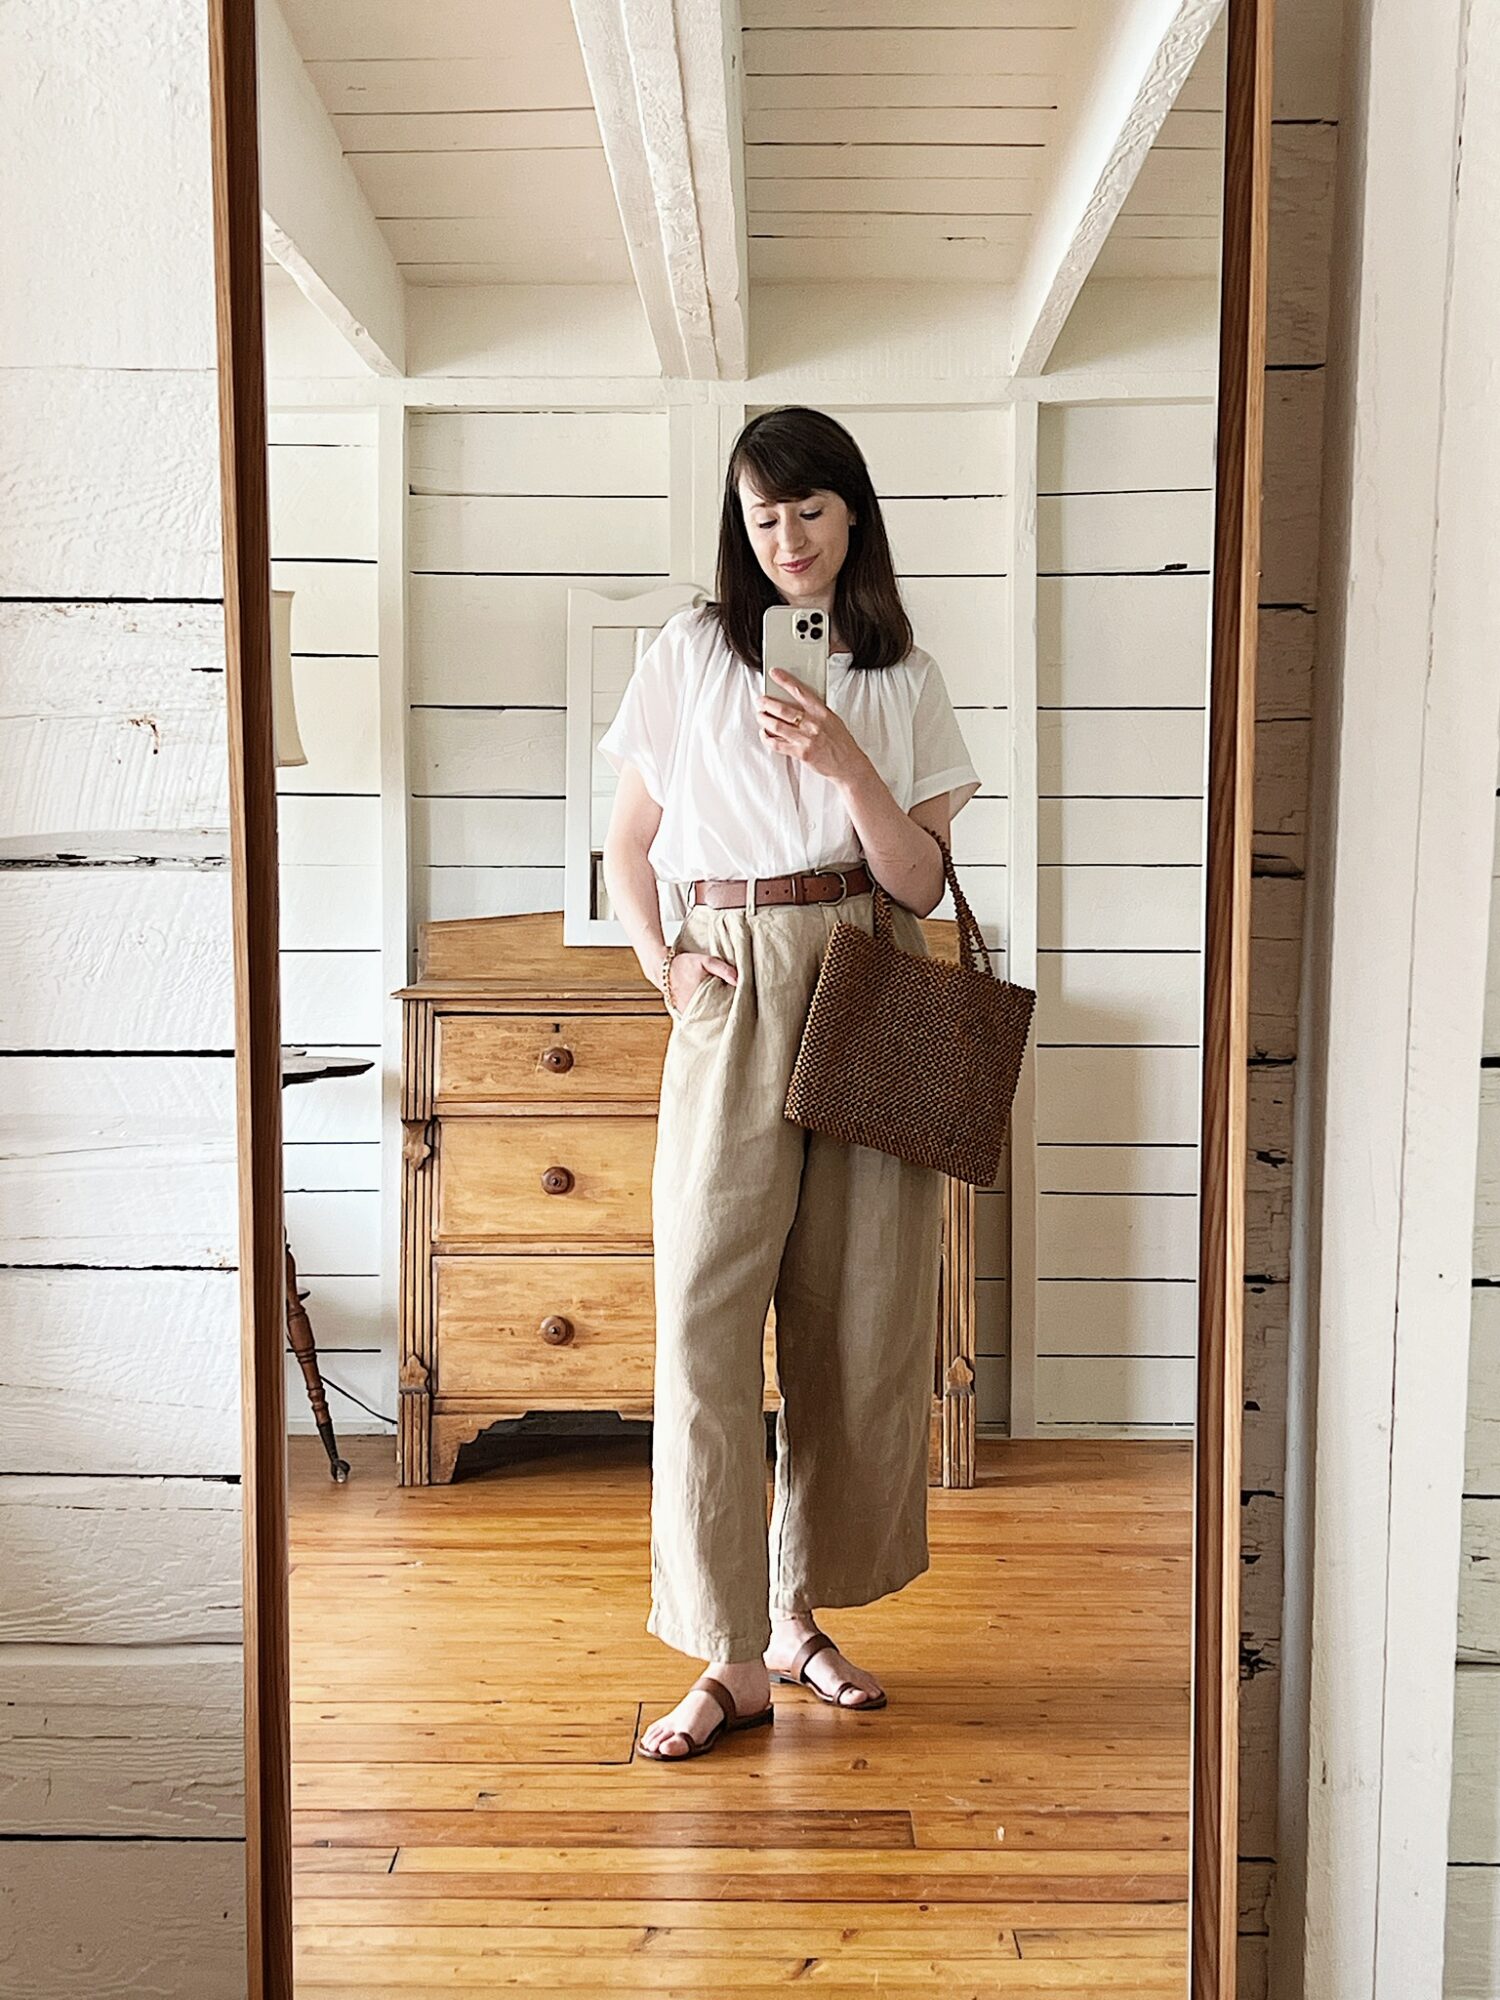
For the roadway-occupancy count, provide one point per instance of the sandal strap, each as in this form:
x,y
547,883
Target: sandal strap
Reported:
x,y
717,1691
806,1651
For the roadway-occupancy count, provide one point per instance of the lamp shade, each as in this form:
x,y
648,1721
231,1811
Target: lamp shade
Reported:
x,y
289,748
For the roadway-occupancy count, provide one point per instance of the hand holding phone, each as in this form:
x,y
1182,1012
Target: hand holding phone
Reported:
x,y
796,647
796,640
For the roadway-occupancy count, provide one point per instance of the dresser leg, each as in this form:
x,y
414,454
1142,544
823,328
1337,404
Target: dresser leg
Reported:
x,y
449,1435
305,1347
414,1424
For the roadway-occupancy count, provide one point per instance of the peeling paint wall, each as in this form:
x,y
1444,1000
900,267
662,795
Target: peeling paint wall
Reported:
x,y
122,1866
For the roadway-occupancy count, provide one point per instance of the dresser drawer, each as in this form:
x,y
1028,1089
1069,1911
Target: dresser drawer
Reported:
x,y
573,1332
576,1179
549,1058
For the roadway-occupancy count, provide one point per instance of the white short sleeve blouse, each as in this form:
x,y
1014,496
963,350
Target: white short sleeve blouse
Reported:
x,y
732,806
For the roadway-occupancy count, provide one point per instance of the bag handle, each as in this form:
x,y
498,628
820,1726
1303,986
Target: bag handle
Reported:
x,y
971,948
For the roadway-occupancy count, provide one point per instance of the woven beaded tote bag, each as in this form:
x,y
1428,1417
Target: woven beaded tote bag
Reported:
x,y
915,1056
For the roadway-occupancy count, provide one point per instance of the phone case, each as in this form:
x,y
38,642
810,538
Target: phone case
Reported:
x,y
796,640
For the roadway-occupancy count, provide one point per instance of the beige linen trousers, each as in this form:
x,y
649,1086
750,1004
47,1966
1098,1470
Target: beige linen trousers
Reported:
x,y
747,1205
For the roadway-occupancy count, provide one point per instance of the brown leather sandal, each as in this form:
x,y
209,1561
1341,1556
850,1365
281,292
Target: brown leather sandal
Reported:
x,y
730,1720
796,1675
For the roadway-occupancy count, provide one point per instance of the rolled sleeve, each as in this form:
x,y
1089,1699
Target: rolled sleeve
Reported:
x,y
645,723
940,757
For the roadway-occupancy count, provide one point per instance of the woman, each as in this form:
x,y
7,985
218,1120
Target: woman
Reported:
x,y
779,812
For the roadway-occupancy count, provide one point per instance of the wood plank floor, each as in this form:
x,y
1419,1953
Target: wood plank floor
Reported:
x,y
470,1673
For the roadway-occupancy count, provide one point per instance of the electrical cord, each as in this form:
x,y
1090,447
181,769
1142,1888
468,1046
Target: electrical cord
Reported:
x,y
330,1383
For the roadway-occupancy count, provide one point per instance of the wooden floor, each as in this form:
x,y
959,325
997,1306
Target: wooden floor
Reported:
x,y
471,1671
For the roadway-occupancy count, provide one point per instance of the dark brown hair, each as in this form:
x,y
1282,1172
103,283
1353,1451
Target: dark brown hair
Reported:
x,y
786,455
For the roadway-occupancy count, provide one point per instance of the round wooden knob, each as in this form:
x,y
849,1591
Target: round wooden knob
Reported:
x,y
557,1330
557,1180
559,1060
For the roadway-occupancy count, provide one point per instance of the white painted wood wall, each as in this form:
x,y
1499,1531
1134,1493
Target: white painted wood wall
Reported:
x,y
1124,550
1389,1126
1471,1969
122,1865
1304,149
508,509
324,496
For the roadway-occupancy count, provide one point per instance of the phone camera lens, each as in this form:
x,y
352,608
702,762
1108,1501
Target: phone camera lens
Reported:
x,y
801,624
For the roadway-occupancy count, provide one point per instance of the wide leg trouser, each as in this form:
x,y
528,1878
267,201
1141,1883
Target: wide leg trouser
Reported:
x,y
747,1205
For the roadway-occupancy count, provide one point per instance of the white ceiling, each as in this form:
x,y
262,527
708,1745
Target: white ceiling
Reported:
x,y
883,140
469,126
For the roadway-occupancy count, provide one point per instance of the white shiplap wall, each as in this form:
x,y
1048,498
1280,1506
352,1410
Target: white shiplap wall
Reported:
x,y
1471,1967
509,509
1124,543
1304,151
122,1866
324,547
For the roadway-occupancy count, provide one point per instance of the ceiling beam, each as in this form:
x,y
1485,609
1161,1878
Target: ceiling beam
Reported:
x,y
316,221
665,80
1129,80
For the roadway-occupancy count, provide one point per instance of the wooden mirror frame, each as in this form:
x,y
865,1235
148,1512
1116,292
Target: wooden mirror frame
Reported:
x,y
1226,945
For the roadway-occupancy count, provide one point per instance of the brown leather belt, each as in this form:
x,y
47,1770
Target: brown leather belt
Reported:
x,y
811,885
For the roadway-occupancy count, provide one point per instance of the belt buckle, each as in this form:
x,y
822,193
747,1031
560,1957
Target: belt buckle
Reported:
x,y
843,875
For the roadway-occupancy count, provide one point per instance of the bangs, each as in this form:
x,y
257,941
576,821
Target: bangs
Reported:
x,y
778,474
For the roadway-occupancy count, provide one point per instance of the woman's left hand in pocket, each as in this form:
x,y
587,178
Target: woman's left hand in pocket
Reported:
x,y
799,725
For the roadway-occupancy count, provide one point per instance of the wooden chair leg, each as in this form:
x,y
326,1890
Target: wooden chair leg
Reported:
x,y
305,1347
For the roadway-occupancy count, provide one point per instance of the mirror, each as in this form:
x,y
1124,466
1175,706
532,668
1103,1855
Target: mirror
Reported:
x,y
514,328
607,638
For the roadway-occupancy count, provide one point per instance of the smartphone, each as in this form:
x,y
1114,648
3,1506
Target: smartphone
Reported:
x,y
796,640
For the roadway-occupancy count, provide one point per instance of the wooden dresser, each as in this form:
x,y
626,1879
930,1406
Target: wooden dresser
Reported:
x,y
530,1072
